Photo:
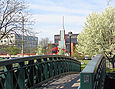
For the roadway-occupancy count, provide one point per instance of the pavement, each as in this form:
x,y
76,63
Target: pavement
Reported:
x,y
64,82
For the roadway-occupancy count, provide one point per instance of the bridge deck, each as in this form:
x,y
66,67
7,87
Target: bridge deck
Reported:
x,y
64,82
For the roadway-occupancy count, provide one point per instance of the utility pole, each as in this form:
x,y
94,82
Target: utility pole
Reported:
x,y
22,51
108,2
70,34
22,35
63,22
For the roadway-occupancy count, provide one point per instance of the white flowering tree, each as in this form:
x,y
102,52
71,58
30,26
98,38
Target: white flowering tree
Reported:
x,y
40,50
98,35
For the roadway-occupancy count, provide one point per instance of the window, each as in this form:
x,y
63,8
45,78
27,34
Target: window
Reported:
x,y
12,36
36,39
4,40
57,37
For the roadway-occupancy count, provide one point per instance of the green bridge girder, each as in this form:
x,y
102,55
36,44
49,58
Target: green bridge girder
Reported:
x,y
93,75
29,72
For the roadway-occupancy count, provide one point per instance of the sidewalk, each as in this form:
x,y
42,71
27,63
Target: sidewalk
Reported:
x,y
65,82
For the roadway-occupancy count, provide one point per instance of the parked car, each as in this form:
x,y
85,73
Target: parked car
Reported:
x,y
87,58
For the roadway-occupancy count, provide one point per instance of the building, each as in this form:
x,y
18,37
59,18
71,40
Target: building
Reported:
x,y
52,48
61,41
67,41
16,40
73,38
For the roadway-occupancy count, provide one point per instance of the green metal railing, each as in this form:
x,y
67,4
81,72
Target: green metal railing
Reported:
x,y
93,75
28,72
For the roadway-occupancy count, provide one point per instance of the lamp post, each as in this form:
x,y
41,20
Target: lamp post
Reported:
x,y
70,34
22,51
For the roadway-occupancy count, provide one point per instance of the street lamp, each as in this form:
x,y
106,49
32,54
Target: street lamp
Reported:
x,y
70,34
22,51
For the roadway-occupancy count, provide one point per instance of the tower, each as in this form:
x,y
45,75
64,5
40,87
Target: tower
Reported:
x,y
61,43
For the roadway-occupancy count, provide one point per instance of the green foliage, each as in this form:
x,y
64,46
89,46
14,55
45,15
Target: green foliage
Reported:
x,y
61,52
3,48
98,33
13,50
76,54
84,63
1,59
41,50
44,42
109,64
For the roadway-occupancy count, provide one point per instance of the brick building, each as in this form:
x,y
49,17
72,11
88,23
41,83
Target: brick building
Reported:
x,y
67,41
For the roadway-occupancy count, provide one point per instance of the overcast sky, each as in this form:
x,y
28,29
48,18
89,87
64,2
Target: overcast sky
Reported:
x,y
48,14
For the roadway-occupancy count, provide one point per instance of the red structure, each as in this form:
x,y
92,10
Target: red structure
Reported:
x,y
55,50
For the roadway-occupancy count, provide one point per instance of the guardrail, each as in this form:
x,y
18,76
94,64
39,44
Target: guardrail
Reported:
x,y
93,75
28,72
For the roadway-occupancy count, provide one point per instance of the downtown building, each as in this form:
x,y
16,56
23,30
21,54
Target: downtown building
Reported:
x,y
30,42
62,40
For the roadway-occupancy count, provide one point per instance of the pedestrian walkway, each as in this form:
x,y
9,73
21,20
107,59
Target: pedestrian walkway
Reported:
x,y
64,82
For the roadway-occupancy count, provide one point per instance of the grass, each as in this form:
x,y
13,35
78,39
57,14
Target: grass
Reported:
x,y
109,65
1,59
84,63
110,70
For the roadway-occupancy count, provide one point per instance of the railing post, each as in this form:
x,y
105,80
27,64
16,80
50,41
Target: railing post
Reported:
x,y
93,75
42,70
21,76
86,81
62,66
51,67
28,72
31,72
45,69
9,77
39,70
55,67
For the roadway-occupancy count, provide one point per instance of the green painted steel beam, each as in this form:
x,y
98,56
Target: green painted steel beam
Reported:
x,y
93,75
26,72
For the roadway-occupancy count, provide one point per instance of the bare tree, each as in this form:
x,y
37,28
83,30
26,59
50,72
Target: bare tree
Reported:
x,y
9,16
44,42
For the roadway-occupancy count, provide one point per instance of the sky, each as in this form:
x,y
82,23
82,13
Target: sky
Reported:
x,y
48,14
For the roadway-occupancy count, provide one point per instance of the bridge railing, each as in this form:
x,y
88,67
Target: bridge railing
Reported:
x,y
27,72
93,75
